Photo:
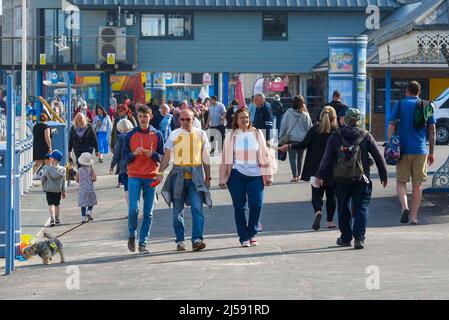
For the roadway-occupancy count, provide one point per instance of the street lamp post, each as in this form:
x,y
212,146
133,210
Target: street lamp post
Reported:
x,y
24,67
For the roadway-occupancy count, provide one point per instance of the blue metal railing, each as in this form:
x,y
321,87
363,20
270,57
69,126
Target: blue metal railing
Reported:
x,y
17,179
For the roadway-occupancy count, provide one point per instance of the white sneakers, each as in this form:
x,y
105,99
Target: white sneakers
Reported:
x,y
181,246
253,242
245,244
249,243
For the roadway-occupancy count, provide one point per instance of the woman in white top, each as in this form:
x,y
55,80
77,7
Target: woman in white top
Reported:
x,y
103,126
247,167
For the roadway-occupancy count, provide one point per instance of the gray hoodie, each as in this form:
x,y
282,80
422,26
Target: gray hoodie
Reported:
x,y
296,124
53,179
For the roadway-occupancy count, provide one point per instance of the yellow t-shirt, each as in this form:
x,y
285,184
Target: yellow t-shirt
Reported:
x,y
187,147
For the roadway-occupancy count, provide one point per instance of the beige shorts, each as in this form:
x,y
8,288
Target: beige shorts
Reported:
x,y
414,166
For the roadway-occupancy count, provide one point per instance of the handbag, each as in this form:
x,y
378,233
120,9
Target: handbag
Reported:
x,y
392,151
71,171
282,156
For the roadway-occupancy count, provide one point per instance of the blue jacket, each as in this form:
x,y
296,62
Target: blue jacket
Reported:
x,y
263,119
118,157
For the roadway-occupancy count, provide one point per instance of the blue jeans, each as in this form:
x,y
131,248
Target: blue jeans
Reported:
x,y
136,186
245,191
360,194
197,212
278,122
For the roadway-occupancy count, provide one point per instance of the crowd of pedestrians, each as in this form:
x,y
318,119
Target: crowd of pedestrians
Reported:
x,y
144,140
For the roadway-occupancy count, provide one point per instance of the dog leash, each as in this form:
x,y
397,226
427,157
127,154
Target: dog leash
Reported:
x,y
69,230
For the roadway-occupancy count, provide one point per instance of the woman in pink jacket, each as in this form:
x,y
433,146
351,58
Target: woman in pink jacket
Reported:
x,y
247,167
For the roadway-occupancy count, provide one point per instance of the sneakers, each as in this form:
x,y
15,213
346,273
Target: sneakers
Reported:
x,y
84,219
57,221
132,244
181,246
198,245
343,244
253,242
358,244
143,249
245,244
405,216
89,218
52,222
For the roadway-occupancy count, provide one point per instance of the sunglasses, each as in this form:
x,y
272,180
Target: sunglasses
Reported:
x,y
185,119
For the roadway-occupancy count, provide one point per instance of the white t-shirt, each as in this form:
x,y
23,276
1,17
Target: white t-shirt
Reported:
x,y
246,150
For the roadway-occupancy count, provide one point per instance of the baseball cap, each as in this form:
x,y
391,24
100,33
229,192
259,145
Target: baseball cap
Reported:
x,y
353,115
56,154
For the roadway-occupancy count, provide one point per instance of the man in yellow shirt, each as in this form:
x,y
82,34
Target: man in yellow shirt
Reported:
x,y
186,183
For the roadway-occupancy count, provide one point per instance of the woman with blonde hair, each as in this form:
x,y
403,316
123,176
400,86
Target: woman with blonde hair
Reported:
x,y
315,142
247,167
82,137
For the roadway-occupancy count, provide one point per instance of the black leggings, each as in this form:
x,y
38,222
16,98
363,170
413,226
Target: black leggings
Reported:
x,y
331,201
83,210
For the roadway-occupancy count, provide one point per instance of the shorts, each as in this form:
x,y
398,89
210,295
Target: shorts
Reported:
x,y
414,166
53,198
123,178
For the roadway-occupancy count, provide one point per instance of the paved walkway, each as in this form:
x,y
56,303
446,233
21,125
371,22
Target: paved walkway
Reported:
x,y
292,261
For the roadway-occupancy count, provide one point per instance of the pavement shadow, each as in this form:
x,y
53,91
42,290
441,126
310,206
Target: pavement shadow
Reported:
x,y
182,257
297,217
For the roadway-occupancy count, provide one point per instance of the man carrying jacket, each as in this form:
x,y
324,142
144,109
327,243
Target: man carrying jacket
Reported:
x,y
358,193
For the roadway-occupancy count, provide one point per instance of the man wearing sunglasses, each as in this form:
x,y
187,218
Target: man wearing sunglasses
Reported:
x,y
186,183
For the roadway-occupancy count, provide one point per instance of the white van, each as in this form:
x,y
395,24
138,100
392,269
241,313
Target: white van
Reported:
x,y
442,117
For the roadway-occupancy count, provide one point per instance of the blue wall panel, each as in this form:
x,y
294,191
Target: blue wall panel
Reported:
x,y
47,4
232,42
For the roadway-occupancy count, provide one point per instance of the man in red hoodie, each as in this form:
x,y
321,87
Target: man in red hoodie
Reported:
x,y
144,149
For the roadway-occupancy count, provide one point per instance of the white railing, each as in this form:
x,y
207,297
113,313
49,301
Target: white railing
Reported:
x,y
2,127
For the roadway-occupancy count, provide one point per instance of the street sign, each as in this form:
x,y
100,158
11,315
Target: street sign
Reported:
x,y
111,58
42,59
207,79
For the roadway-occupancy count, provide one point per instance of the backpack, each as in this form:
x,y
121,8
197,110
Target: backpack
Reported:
x,y
392,151
349,167
423,111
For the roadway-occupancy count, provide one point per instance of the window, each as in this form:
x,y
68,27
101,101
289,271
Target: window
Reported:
x,y
153,25
167,26
274,26
179,25
445,105
52,25
398,87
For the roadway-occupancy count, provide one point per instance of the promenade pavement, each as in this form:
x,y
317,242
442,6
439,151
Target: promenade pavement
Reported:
x,y
291,262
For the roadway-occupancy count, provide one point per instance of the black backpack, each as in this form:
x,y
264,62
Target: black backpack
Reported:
x,y
349,167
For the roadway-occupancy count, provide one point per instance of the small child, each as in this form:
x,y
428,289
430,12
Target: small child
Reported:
x,y
53,183
86,195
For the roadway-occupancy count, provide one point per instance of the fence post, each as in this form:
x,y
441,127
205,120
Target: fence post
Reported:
x,y
10,176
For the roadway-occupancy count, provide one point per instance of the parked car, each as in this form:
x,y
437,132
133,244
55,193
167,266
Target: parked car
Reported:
x,y
442,117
